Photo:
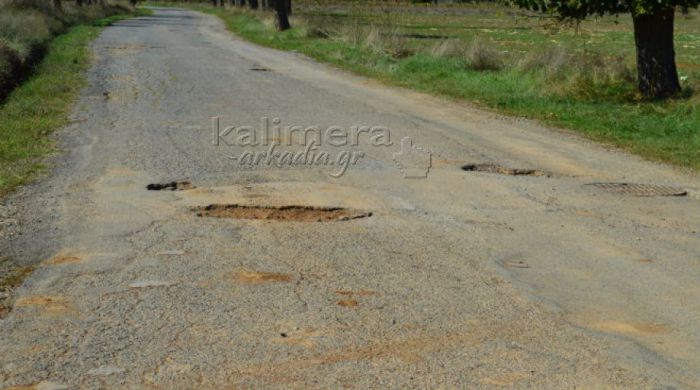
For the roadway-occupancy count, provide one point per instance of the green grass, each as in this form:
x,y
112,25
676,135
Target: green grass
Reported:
x,y
42,104
609,112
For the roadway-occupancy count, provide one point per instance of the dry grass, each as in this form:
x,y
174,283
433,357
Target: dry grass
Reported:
x,y
26,27
389,41
482,56
580,74
448,48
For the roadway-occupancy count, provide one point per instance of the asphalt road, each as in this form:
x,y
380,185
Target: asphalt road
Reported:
x,y
458,280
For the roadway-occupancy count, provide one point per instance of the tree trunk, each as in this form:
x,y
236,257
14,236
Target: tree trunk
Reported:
x,y
79,3
282,19
656,59
288,6
253,4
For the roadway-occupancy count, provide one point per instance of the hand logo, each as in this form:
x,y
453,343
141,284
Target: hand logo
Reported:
x,y
413,161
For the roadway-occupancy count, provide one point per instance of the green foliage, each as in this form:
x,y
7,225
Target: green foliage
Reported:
x,y
580,9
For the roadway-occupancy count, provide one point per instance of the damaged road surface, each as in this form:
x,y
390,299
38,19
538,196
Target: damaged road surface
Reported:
x,y
510,273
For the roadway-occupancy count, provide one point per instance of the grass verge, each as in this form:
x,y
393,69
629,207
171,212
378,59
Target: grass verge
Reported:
x,y
583,97
42,103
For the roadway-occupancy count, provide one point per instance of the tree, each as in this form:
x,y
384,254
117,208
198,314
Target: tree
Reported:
x,y
282,17
657,74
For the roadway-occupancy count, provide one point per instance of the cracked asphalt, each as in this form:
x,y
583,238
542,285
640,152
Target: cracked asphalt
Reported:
x,y
458,280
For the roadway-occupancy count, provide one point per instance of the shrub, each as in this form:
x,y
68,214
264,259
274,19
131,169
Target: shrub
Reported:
x,y
480,55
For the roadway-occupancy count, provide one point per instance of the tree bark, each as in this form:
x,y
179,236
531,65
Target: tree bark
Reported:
x,y
288,6
282,18
656,59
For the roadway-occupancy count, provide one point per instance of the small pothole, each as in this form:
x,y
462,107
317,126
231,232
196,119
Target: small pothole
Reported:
x,y
280,213
259,68
501,170
640,189
171,186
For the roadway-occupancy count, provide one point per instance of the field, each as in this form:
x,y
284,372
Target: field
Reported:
x,y
578,77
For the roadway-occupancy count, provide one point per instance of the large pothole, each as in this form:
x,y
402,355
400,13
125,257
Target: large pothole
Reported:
x,y
281,213
501,170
